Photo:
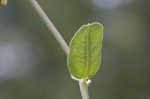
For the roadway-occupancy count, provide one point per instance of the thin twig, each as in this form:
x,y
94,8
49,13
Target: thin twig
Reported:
x,y
82,83
50,26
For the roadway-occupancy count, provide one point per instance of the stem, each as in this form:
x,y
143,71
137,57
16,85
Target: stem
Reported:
x,y
82,83
50,26
84,88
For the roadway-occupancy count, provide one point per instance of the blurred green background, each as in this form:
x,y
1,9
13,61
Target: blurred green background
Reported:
x,y
33,66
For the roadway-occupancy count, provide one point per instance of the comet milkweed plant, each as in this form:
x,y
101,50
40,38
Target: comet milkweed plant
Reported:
x,y
84,54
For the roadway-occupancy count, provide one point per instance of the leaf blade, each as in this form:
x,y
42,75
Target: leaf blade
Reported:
x,y
84,56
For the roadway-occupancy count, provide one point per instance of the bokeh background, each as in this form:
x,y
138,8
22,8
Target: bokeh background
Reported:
x,y
33,65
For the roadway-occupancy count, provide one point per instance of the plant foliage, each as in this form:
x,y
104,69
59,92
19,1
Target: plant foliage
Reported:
x,y
85,52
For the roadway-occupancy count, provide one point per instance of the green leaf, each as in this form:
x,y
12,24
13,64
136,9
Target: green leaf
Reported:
x,y
85,52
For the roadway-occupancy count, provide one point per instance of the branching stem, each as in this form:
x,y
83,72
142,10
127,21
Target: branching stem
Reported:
x,y
82,83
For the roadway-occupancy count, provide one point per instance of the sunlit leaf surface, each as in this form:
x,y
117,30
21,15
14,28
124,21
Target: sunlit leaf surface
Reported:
x,y
85,53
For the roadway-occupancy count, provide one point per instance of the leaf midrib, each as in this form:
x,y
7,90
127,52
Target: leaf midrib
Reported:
x,y
87,54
